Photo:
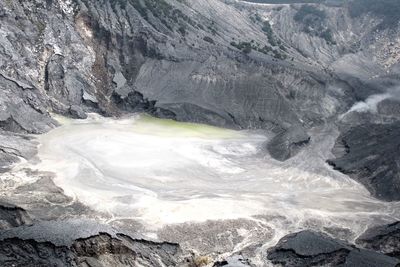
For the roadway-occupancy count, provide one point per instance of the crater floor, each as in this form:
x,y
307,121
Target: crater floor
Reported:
x,y
180,177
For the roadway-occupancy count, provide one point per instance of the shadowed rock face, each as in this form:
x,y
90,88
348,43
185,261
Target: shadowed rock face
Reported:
x,y
234,261
83,243
385,239
13,147
371,155
176,59
389,107
11,216
23,108
286,144
308,248
98,250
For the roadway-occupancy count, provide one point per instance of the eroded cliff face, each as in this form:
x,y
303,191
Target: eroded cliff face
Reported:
x,y
308,248
205,61
84,243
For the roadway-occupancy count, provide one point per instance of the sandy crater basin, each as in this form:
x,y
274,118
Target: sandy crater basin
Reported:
x,y
162,172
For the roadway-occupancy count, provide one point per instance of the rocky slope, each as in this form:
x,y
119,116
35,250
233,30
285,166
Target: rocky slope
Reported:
x,y
83,243
312,249
383,238
370,154
281,68
14,147
224,63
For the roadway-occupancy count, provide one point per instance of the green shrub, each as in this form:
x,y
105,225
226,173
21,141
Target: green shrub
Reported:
x,y
307,11
328,36
182,30
245,47
208,39
270,33
387,10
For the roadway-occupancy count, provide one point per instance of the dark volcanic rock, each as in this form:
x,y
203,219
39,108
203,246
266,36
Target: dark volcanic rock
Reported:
x,y
385,239
77,112
12,216
286,144
308,248
233,261
82,243
371,155
98,250
13,147
389,107
41,197
23,109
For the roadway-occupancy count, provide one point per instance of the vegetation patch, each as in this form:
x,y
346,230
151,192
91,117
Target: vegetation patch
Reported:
x,y
247,47
308,13
313,22
169,16
270,34
209,40
387,10
275,47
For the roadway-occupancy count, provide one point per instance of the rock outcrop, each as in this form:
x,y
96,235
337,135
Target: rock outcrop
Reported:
x,y
14,147
309,248
370,153
384,238
12,216
83,243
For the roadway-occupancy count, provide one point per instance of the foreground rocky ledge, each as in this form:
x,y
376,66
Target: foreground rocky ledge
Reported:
x,y
83,243
385,238
370,154
308,248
